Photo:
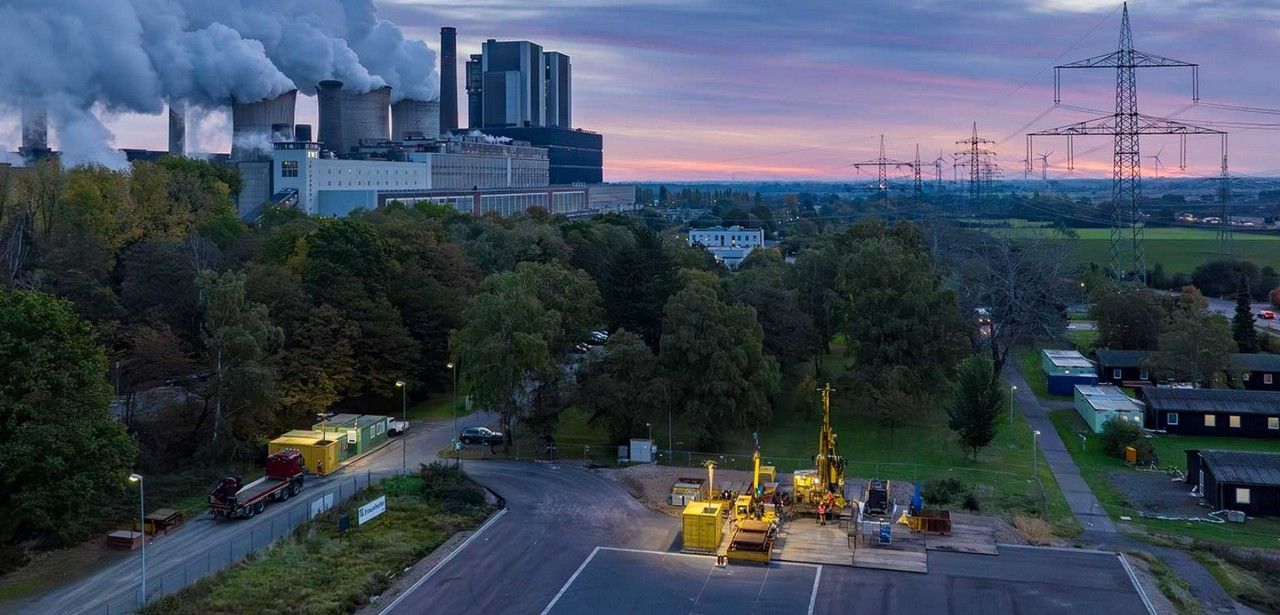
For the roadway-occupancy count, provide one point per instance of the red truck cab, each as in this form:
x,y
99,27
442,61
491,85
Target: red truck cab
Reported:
x,y
283,480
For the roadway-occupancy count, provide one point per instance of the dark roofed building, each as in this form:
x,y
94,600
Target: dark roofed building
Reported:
x,y
1256,371
1213,412
1246,481
1123,367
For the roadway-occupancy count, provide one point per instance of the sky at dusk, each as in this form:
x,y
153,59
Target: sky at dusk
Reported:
x,y
749,90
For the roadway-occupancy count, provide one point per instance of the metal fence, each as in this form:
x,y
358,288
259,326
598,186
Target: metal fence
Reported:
x,y
285,517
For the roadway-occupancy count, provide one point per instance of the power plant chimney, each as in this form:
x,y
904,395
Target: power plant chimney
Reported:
x,y
448,79
35,130
252,124
178,129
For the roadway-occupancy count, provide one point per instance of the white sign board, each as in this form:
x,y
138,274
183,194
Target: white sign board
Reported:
x,y
371,510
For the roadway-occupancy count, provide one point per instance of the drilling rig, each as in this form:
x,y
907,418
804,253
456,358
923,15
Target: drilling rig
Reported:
x,y
826,482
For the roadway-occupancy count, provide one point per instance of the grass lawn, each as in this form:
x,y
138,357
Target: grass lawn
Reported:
x,y
325,572
437,407
1083,340
1177,249
1096,466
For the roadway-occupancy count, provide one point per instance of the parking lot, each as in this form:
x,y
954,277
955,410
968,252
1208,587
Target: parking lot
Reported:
x,y
1019,580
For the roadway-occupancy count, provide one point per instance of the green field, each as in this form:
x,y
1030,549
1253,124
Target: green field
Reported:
x,y
1096,467
1178,250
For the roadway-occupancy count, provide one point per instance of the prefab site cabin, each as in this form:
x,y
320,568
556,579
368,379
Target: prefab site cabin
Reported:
x,y
1213,412
357,433
1123,367
1065,369
1246,481
1099,404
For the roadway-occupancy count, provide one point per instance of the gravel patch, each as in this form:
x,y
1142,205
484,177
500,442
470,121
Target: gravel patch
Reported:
x,y
1154,493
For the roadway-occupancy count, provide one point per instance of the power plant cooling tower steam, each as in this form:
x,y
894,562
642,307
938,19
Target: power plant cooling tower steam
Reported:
x,y
252,124
448,79
134,56
415,118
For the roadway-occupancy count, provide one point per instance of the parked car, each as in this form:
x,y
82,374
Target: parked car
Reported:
x,y
480,435
599,337
395,427
1267,314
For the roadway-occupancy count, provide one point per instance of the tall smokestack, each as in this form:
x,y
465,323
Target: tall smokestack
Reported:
x,y
329,101
178,128
448,79
35,130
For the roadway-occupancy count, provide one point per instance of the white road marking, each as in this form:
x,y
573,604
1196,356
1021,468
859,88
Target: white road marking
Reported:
x,y
444,561
565,587
1136,585
813,596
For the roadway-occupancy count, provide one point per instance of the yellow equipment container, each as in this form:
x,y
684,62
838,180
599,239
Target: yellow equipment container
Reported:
x,y
319,456
703,526
1130,454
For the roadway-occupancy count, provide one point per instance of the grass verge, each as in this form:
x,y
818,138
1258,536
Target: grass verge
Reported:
x,y
320,570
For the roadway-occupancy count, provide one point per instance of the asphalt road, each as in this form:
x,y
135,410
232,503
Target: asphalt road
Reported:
x,y
1227,308
188,545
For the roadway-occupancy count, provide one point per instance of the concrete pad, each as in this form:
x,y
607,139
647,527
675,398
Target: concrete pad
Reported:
x,y
964,539
633,581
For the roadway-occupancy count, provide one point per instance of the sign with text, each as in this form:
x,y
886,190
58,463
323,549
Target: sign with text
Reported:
x,y
372,509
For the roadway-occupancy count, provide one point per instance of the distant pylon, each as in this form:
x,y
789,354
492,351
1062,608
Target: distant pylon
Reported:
x,y
980,165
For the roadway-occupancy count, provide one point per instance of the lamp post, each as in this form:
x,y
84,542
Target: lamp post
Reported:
x,y
1082,299
404,416
1035,461
1012,389
142,523
454,373
649,426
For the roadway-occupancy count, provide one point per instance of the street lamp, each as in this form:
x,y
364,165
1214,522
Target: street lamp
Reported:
x,y
404,416
1035,461
1012,389
142,523
1082,299
454,373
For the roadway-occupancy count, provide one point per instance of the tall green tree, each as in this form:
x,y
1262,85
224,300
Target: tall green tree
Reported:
x,y
713,356
61,450
1128,319
974,407
1194,349
621,387
1242,328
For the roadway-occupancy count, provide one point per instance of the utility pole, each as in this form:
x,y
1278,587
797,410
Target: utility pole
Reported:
x,y
980,164
918,186
1125,126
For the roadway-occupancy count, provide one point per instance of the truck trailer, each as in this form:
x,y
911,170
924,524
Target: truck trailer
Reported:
x,y
231,498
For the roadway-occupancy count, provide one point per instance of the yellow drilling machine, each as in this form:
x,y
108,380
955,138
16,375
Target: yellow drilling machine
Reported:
x,y
825,483
756,517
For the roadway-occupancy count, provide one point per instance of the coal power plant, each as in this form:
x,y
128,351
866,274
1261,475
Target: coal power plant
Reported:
x,y
415,119
349,118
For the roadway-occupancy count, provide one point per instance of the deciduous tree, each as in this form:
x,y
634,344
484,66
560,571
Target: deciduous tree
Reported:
x,y
621,387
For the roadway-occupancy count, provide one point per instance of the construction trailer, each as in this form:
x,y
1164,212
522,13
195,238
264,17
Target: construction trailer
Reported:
x,y
320,455
357,433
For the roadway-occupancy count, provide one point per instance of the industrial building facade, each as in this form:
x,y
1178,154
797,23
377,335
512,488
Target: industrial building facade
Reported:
x,y
517,84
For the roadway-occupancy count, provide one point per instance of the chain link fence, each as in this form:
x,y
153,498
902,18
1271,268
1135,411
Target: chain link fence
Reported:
x,y
284,518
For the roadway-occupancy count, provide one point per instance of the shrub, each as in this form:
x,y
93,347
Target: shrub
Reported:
x,y
944,490
1117,434
971,503
1034,531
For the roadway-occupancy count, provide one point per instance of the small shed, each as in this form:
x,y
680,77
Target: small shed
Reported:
x,y
1246,481
1099,404
1213,412
1124,367
1065,369
319,456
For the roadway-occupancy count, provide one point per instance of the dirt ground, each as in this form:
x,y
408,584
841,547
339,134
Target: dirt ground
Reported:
x,y
1154,493
651,484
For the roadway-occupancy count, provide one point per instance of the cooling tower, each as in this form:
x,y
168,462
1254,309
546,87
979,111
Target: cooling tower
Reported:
x,y
178,129
251,124
415,118
448,81
365,117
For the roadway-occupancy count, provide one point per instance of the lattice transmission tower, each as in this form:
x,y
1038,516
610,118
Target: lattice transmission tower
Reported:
x,y
882,164
981,165
1126,125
